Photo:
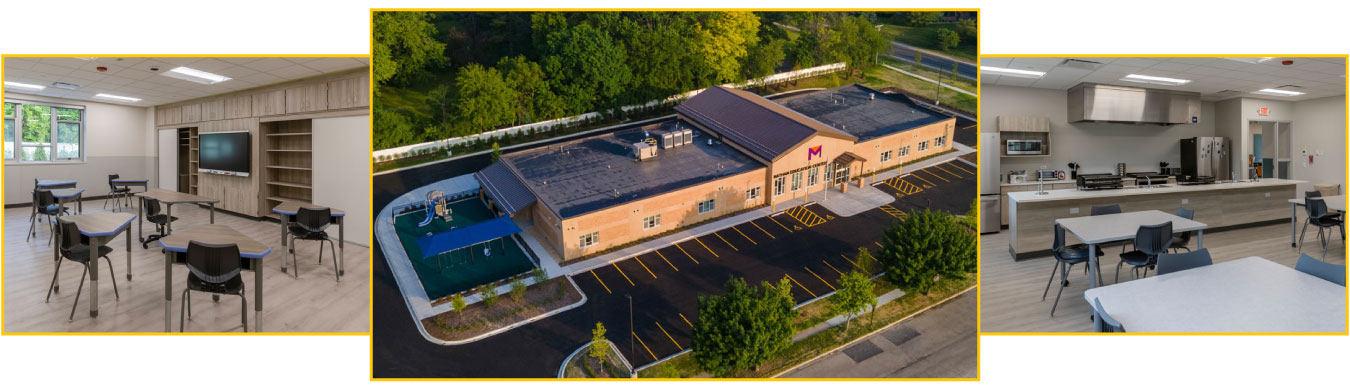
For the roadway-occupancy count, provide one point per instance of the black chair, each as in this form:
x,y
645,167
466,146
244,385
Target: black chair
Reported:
x,y
48,206
1149,241
309,224
73,248
117,193
213,269
1109,209
1065,258
1183,240
153,215
1318,216
1171,263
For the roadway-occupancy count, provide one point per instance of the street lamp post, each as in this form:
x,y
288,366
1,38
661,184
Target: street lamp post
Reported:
x,y
631,334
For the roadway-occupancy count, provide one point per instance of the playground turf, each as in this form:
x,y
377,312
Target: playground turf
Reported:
x,y
465,268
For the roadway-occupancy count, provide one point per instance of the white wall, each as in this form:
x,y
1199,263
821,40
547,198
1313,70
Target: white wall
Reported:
x,y
1319,125
115,143
342,172
1098,147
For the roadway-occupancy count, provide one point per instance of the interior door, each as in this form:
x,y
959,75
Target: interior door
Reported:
x,y
168,159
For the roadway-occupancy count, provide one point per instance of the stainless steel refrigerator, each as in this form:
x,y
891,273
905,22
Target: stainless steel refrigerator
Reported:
x,y
1207,156
991,209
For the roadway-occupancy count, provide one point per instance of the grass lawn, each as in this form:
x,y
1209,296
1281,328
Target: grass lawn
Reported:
x,y
926,37
880,78
946,76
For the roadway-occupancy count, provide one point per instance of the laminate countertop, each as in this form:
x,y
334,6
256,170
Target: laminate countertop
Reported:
x,y
1074,194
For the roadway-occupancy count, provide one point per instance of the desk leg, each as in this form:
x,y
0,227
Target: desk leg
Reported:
x,y
1199,239
128,253
213,213
168,290
257,294
140,227
168,220
342,257
93,276
1293,224
1094,269
285,219
79,201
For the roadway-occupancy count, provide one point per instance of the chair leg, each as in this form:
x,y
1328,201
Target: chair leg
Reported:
x,y
77,295
182,308
295,266
116,296
1063,276
321,252
1300,236
1118,265
53,285
1325,242
31,224
332,249
243,307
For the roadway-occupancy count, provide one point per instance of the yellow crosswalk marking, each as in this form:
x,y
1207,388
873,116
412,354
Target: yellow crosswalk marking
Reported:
x,y
644,266
686,253
827,283
813,294
761,229
663,258
724,240
672,338
705,247
625,276
747,237
686,320
644,346
602,283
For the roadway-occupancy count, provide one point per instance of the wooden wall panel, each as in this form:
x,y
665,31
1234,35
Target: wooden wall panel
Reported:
x,y
171,115
349,93
269,103
307,98
192,113
238,106
236,194
213,110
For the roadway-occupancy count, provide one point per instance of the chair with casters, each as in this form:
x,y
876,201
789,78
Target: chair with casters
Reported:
x,y
154,215
1171,263
46,206
117,193
74,247
1149,241
213,268
1109,324
1183,240
310,224
1319,269
1318,217
1065,258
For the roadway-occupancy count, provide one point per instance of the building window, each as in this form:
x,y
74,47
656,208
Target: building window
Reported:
x,y
904,151
753,193
829,172
940,141
651,222
706,206
43,133
923,145
812,176
590,239
886,156
778,185
796,181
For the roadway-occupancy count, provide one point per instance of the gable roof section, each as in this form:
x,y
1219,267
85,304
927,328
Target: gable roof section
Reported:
x,y
761,126
503,186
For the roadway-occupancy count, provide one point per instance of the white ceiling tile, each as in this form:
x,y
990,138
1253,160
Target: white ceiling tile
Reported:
x,y
294,72
268,64
328,65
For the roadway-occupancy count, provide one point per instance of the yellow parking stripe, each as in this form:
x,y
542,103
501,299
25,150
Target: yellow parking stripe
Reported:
x,y
602,283
827,283
686,320
948,171
827,263
761,229
855,264
644,266
625,276
879,245
663,258
724,240
644,346
813,294
672,338
686,253
747,237
935,175
705,247
922,179
958,167
789,230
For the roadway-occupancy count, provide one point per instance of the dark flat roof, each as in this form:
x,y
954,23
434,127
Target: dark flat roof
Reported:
x,y
765,128
601,171
504,187
850,109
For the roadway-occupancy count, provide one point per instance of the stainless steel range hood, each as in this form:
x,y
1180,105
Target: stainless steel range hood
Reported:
x,y
1100,103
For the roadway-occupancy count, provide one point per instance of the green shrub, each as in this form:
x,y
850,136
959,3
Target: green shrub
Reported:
x,y
924,246
518,289
489,294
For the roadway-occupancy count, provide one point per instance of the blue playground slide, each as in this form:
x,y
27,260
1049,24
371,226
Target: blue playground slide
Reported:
x,y
431,213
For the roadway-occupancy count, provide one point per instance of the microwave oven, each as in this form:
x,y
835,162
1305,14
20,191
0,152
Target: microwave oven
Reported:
x,y
1024,147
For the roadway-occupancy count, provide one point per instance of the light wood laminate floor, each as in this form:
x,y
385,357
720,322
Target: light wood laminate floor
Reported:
x,y
1010,292
313,303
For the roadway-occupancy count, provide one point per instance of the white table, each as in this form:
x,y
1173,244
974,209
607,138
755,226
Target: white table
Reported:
x,y
1095,230
1246,295
1333,202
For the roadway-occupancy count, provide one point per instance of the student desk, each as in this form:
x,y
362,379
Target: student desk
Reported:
x,y
169,198
50,185
214,234
100,228
289,209
144,184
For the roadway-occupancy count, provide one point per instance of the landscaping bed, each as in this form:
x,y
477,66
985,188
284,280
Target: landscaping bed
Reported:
x,y
477,319
582,365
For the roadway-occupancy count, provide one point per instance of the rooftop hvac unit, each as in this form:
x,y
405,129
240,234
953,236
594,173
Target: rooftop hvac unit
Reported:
x,y
667,140
644,150
688,136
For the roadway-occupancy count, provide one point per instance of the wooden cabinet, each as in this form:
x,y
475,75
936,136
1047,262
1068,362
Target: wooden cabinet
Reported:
x,y
191,113
169,116
1005,190
307,98
269,103
237,107
349,93
213,110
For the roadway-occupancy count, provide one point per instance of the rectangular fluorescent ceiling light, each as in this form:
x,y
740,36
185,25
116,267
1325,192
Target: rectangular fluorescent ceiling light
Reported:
x,y
1011,72
1249,59
194,75
116,97
24,86
1155,80
1277,92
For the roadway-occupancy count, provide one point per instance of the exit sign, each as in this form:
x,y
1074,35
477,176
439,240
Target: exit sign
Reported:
x,y
1263,111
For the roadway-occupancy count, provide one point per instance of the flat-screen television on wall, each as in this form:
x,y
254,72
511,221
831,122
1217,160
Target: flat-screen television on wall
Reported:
x,y
225,153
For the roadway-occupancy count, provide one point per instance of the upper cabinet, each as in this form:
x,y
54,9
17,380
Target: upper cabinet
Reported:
x,y
307,98
349,93
269,103
192,113
238,107
1023,124
168,116
213,110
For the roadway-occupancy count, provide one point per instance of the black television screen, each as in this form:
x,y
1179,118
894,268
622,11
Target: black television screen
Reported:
x,y
224,153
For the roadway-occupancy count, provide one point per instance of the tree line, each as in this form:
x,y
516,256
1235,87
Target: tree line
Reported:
x,y
485,70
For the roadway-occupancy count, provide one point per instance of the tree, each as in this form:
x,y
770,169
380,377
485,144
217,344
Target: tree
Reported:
x,y
483,101
922,19
588,67
947,39
598,342
496,152
859,43
489,294
721,41
854,295
969,29
743,327
392,129
457,303
534,100
518,290
924,246
761,60
403,44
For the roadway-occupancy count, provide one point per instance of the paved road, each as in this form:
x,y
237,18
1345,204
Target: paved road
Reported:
x,y
905,53
938,343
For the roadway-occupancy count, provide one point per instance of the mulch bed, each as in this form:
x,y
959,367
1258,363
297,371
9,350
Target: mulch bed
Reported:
x,y
478,319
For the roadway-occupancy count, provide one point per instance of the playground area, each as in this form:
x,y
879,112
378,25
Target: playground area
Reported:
x,y
481,248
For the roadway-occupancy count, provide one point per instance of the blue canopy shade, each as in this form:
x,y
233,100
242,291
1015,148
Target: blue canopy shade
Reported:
x,y
443,242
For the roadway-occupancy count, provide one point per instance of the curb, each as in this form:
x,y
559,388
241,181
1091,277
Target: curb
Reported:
x,y
562,370
479,337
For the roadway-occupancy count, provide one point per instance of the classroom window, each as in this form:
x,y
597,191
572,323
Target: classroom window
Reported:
x,y
940,141
811,176
590,239
778,185
829,172
923,145
886,156
753,193
43,133
796,181
706,206
651,222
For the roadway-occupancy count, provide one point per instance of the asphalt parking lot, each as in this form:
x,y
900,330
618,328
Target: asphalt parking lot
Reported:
x,y
809,245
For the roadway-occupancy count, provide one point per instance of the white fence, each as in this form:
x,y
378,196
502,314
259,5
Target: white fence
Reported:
x,y
404,151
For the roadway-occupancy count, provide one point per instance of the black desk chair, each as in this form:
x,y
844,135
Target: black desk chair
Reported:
x,y
73,247
1318,216
213,269
117,193
153,215
1065,258
48,206
309,224
1149,241
1109,209
1183,240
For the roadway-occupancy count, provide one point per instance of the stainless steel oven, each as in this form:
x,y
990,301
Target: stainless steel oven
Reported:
x,y
1024,147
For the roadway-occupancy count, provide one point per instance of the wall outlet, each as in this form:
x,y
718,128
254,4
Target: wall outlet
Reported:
x,y
1185,201
1073,211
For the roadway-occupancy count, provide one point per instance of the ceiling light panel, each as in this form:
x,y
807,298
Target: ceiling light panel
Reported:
x,y
194,75
1155,80
116,97
21,85
1277,92
1011,72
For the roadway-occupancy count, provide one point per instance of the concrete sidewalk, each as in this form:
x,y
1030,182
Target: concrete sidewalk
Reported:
x,y
839,320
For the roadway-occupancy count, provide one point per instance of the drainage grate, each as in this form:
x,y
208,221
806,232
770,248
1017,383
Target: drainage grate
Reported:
x,y
862,351
900,335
